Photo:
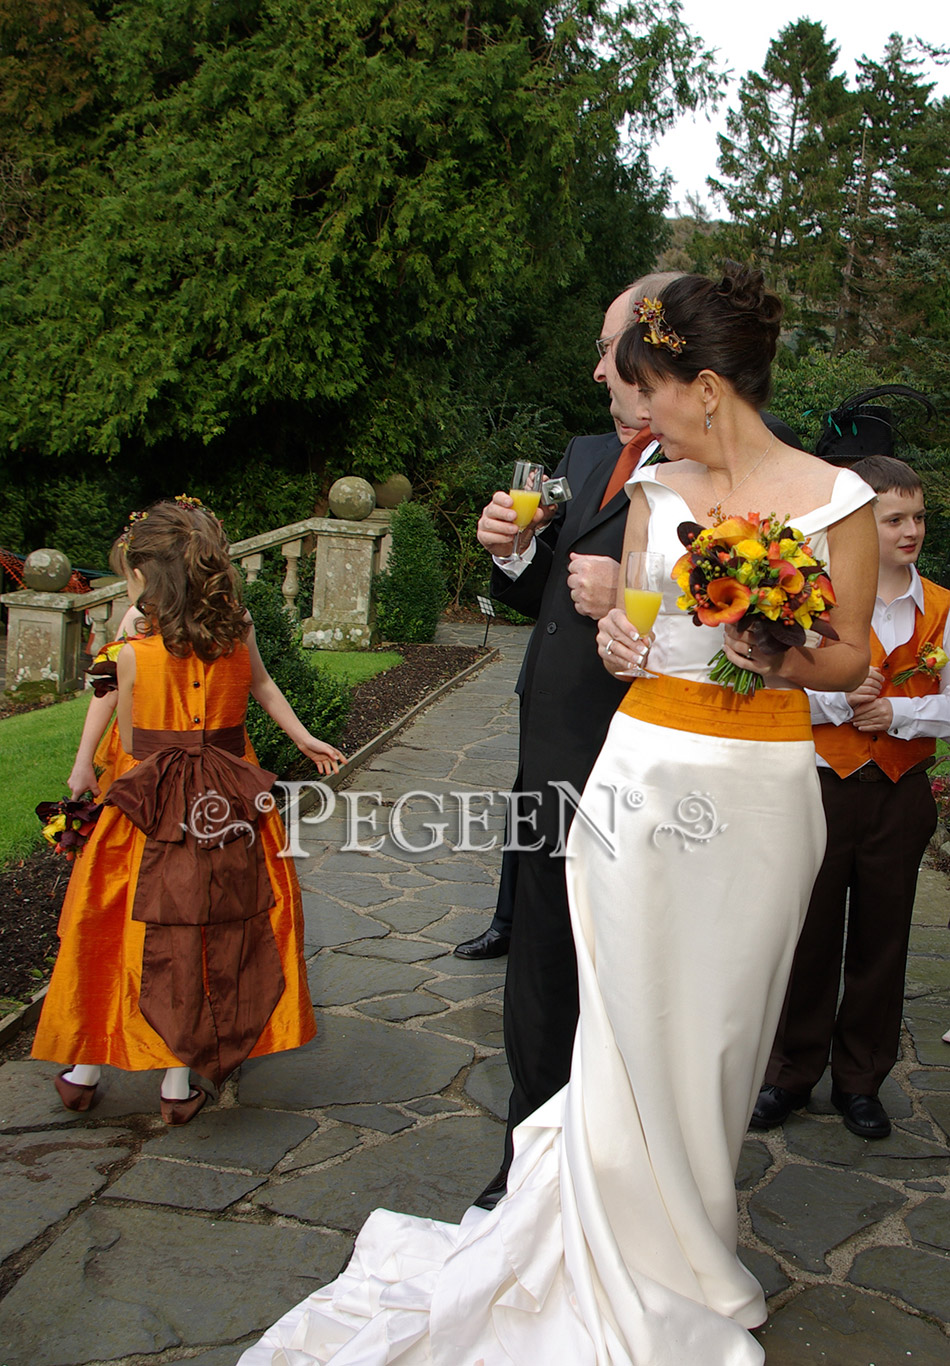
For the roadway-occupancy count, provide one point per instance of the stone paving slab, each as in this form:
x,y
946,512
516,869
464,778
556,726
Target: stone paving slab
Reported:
x,y
254,1140
339,978
45,1175
122,1281
835,1326
353,1061
919,1277
805,1212
328,1142
327,925
407,1007
156,1181
416,1171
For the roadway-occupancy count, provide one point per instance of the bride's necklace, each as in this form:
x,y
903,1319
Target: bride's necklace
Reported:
x,y
716,511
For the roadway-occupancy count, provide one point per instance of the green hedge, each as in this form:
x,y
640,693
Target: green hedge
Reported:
x,y
412,592
321,702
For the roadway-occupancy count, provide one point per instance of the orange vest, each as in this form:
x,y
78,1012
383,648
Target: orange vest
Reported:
x,y
847,749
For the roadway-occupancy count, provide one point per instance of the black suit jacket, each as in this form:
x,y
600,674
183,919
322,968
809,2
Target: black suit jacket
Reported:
x,y
567,696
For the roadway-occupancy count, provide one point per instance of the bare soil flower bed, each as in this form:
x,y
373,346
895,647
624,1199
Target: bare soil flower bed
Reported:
x,y
32,890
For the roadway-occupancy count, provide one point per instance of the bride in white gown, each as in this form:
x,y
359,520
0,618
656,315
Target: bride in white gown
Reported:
x,y
616,1243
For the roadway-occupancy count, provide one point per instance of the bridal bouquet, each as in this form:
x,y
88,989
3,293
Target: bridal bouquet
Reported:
x,y
758,574
67,825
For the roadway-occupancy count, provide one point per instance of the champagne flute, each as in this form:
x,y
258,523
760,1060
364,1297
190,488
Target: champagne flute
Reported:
x,y
525,492
642,598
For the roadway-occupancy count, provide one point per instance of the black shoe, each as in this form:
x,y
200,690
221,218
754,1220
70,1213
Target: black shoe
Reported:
x,y
863,1115
496,1190
774,1106
492,944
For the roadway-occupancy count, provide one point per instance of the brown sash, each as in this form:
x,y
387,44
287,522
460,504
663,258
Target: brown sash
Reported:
x,y
211,972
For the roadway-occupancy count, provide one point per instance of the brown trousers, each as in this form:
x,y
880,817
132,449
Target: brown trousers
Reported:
x,y
877,834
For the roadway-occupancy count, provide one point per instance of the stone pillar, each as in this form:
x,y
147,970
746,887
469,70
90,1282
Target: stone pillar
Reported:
x,y
347,557
44,641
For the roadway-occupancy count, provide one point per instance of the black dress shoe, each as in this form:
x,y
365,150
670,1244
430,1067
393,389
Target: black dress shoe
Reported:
x,y
774,1106
496,1190
492,944
863,1115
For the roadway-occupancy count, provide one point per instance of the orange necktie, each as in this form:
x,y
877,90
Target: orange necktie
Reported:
x,y
627,462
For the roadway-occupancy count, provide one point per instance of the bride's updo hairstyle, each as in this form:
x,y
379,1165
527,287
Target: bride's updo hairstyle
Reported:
x,y
729,326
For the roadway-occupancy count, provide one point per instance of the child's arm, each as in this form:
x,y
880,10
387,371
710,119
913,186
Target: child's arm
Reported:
x,y
266,692
83,776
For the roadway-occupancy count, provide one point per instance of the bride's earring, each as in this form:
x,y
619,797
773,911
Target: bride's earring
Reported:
x,y
708,422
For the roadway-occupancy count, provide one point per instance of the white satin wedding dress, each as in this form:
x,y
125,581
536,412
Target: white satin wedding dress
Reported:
x,y
616,1244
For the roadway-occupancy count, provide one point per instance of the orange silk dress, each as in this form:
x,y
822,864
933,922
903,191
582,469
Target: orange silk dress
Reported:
x,y
91,1012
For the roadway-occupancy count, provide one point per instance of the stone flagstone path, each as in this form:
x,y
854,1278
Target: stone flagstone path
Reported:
x,y
126,1243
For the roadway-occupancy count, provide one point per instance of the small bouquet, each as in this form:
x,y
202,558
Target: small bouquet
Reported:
x,y
760,575
931,661
103,670
67,825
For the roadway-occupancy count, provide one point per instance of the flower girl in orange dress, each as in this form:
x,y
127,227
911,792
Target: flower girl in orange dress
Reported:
x,y
181,931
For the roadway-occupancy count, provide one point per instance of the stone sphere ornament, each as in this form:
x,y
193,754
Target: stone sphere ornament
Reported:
x,y
46,571
395,490
352,498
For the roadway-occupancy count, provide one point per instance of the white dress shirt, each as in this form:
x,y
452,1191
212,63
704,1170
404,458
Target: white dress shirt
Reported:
x,y
914,717
515,565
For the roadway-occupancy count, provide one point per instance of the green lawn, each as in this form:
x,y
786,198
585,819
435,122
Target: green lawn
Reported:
x,y
352,666
36,755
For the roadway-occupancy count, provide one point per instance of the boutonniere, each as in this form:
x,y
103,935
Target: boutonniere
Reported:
x,y
931,661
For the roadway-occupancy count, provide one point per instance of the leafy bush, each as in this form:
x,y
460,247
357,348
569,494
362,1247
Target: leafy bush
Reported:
x,y
411,593
321,702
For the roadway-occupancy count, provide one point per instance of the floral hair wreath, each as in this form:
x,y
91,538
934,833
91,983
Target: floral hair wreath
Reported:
x,y
184,500
649,312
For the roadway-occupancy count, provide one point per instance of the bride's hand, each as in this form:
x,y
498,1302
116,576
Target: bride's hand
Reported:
x,y
618,644
740,648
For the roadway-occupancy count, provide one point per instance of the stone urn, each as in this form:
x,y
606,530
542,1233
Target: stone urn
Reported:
x,y
351,498
46,571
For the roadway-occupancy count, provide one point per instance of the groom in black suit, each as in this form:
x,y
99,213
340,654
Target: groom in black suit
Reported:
x,y
563,572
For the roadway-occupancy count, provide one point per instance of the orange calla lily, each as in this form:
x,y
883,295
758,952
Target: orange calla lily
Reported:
x,y
823,584
729,601
735,529
791,579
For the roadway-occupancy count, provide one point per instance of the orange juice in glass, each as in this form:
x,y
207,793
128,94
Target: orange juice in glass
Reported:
x,y
526,491
642,597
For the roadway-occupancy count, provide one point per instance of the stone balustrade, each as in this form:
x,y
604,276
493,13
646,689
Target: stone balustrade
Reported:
x,y
45,631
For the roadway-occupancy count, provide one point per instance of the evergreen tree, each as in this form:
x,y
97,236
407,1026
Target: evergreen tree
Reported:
x,y
783,161
900,159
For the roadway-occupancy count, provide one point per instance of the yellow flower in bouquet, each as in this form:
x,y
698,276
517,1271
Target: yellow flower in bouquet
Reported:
x,y
758,574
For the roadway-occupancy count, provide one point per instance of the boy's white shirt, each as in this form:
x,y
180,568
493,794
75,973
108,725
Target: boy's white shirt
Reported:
x,y
914,717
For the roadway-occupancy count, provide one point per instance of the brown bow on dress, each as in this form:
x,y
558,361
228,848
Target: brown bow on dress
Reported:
x,y
211,973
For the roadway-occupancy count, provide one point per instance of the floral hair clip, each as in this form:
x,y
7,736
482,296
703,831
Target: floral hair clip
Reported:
x,y
185,500
649,312
125,540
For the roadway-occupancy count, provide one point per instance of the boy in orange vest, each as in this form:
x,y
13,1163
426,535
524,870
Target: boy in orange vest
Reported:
x,y
874,746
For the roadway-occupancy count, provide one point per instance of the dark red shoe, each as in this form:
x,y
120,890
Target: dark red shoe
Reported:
x,y
175,1112
74,1096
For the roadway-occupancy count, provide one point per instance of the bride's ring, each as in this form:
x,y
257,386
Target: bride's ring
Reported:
x,y
608,645
751,651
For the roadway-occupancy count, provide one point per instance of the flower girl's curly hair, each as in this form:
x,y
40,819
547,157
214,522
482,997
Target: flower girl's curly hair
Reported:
x,y
192,596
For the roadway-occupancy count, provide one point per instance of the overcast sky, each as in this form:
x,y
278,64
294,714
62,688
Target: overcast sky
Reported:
x,y
741,31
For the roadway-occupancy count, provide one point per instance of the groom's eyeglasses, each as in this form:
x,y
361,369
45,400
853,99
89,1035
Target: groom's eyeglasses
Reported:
x,y
603,343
